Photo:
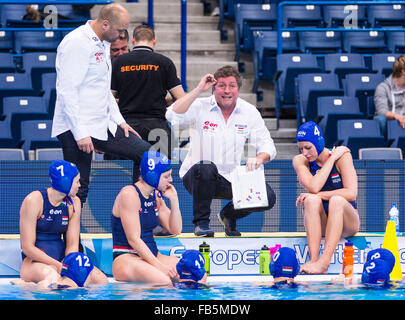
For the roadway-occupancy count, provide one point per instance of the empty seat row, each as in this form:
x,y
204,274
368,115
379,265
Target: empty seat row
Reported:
x,y
30,41
45,154
20,85
378,15
253,17
50,154
365,133
299,75
15,15
266,63
34,134
35,64
380,154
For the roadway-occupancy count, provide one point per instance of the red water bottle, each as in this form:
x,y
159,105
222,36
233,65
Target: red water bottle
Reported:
x,y
347,265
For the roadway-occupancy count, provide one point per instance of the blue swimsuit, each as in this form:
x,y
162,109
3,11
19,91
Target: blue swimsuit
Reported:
x,y
333,182
148,216
50,227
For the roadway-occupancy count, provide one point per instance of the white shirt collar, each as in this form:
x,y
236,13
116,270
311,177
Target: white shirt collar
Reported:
x,y
88,30
214,104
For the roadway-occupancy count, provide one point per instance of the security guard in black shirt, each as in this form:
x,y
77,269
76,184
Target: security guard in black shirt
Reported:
x,y
140,81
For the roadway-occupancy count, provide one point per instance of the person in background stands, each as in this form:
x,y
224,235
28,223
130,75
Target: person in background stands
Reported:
x,y
389,97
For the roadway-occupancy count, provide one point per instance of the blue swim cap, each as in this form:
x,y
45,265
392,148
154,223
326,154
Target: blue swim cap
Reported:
x,y
284,263
191,265
153,164
311,132
376,272
62,174
383,254
77,267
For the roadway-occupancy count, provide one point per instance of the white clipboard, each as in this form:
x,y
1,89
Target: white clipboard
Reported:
x,y
248,188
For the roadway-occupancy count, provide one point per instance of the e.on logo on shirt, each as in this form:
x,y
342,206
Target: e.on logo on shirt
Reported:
x,y
99,56
209,126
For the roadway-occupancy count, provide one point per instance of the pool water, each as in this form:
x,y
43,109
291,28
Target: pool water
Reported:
x,y
215,291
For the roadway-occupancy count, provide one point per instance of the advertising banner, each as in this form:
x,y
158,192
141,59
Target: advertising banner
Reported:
x,y
228,256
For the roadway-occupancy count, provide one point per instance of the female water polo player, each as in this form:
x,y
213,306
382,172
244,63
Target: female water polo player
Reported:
x,y
329,206
44,216
137,210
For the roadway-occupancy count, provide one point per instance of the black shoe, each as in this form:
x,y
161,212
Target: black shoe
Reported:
x,y
229,224
203,231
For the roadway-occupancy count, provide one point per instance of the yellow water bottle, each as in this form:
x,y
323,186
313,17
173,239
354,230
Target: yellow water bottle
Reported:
x,y
205,251
264,258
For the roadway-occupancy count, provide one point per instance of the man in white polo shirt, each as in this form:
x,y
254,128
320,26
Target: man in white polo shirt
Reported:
x,y
87,117
219,128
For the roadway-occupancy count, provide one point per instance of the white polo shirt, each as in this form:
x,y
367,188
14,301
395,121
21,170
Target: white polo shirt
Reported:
x,y
84,103
222,143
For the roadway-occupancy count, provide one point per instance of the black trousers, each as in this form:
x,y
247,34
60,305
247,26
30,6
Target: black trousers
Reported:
x,y
154,130
204,183
131,148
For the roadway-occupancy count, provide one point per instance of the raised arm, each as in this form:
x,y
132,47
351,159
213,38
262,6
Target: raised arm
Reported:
x,y
181,105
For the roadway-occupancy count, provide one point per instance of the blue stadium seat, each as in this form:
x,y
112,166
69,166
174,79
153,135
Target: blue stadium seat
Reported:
x,y
395,41
15,84
11,154
364,42
380,154
6,139
7,64
390,15
265,52
362,86
49,91
338,15
38,63
7,41
396,135
289,66
360,133
331,110
317,42
342,64
73,13
227,9
311,86
250,17
49,154
382,62
36,134
302,16
11,12
18,109
33,41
